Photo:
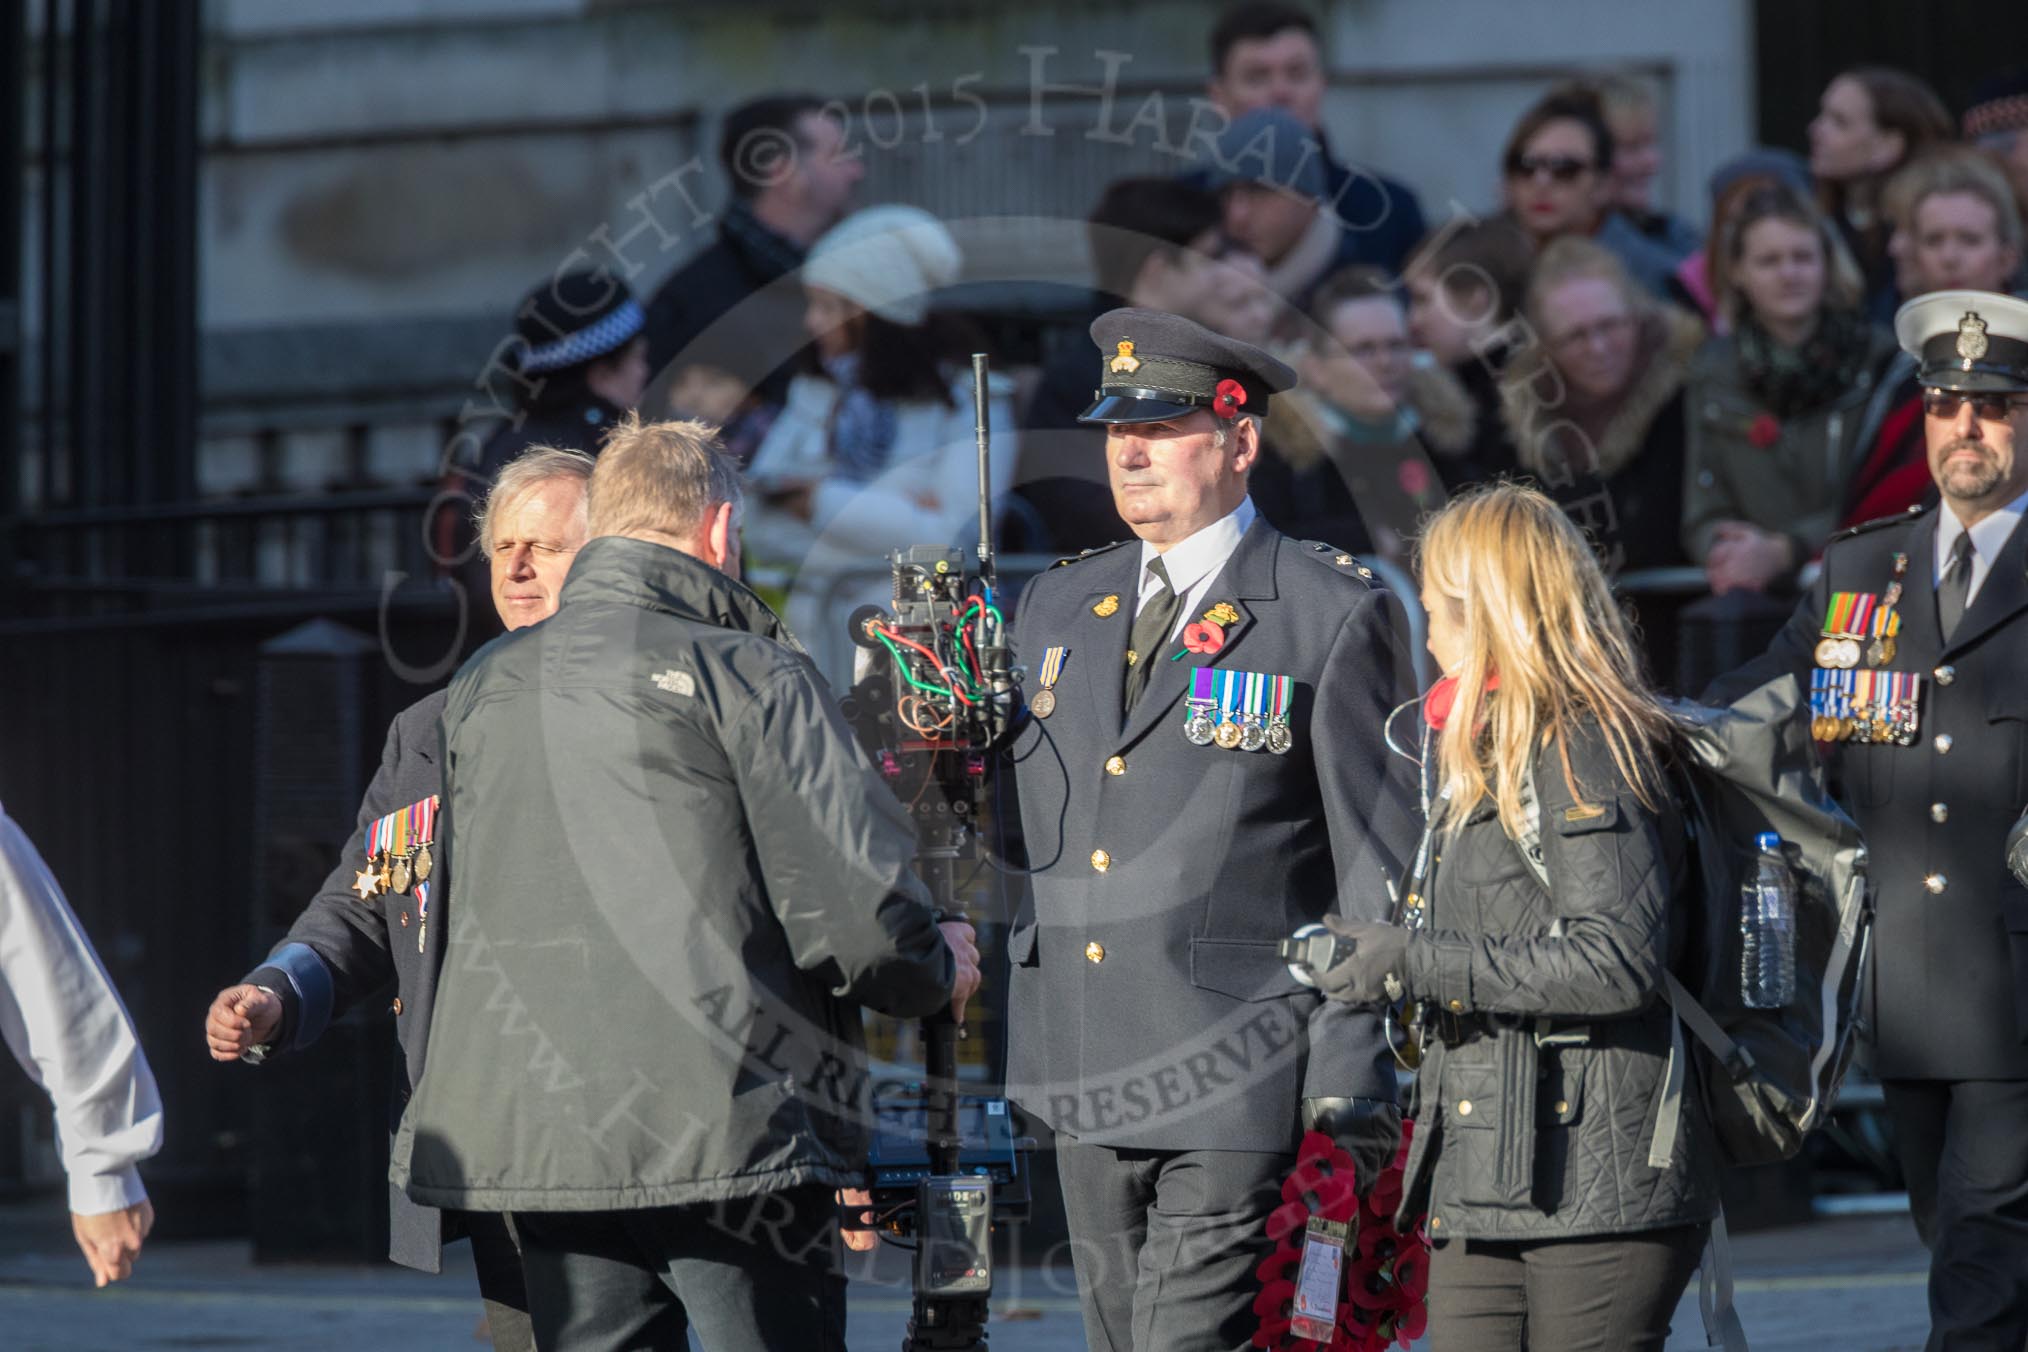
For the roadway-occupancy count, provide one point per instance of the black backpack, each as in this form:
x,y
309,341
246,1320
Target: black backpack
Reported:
x,y
1767,1076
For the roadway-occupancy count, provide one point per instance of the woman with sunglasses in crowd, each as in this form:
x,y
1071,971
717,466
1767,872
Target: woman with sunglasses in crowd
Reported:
x,y
1557,180
1538,948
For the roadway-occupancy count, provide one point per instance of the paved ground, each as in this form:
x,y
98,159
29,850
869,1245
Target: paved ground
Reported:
x,y
1852,1284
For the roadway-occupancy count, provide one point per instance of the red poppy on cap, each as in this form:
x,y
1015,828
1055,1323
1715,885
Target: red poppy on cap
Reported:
x,y
1231,394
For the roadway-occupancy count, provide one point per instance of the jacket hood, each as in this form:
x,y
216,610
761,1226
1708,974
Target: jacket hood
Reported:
x,y
1670,340
648,576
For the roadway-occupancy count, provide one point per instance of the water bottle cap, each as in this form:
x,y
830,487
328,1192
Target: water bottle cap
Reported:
x,y
1767,840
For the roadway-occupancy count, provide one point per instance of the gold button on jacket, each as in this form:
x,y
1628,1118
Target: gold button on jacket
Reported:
x,y
1101,861
1116,766
1095,951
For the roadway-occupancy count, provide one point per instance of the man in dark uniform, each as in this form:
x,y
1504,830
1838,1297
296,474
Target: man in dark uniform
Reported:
x,y
1204,772
1915,643
374,921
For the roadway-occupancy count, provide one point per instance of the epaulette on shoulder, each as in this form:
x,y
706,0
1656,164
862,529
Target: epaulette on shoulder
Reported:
x,y
1877,522
1338,561
1084,554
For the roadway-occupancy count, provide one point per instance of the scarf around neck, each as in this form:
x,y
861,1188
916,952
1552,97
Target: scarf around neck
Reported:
x,y
1790,381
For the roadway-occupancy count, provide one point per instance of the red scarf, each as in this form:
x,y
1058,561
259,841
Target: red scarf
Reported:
x,y
1436,705
1895,474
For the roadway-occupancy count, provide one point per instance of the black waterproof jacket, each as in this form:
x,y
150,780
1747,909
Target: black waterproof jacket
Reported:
x,y
1537,1122
677,881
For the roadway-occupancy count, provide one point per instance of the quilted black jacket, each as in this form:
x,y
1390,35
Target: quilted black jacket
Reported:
x,y
1522,1136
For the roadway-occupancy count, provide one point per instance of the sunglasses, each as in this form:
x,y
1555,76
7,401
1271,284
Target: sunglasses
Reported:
x,y
1561,168
1986,407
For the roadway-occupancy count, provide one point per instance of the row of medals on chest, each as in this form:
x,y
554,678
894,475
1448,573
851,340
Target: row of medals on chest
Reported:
x,y
396,872
1231,731
1860,625
1239,711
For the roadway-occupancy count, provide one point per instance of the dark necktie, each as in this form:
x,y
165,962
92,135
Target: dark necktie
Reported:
x,y
1955,586
1152,624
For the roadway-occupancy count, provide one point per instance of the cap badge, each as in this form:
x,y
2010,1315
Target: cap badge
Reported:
x,y
1124,361
1971,336
1231,394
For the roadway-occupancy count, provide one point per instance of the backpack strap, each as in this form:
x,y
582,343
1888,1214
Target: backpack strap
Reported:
x,y
1669,1111
1714,1291
1737,1060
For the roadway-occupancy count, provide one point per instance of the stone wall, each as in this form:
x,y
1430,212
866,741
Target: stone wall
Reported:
x,y
382,179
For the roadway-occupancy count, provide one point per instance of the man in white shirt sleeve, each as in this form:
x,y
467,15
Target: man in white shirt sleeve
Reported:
x,y
65,1024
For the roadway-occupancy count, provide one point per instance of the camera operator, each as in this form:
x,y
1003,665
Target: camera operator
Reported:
x,y
677,881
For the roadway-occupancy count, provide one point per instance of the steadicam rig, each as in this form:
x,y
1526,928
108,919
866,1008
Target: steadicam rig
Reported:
x,y
933,696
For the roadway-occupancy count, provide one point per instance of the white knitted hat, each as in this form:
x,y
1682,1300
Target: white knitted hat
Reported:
x,y
887,259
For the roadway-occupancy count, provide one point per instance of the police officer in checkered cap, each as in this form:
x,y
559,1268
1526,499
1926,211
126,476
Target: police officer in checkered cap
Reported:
x,y
581,362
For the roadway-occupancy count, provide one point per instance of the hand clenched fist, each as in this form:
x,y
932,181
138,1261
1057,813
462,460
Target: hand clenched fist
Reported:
x,y
241,1017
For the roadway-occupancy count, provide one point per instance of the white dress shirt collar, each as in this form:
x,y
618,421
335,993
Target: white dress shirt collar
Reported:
x,y
1197,558
1193,562
1989,537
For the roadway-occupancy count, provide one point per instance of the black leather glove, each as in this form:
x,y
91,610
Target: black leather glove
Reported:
x,y
1369,1130
1372,974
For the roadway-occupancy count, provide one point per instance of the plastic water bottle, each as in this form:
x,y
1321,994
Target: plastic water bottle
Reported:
x,y
1767,928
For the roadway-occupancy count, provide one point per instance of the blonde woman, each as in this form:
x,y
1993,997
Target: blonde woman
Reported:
x,y
1548,1038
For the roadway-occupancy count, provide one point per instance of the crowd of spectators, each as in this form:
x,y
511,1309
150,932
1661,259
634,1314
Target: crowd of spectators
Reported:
x,y
1719,397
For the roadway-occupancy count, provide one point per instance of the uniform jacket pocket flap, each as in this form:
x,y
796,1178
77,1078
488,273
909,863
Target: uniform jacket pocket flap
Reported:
x,y
1579,818
2008,705
1246,969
